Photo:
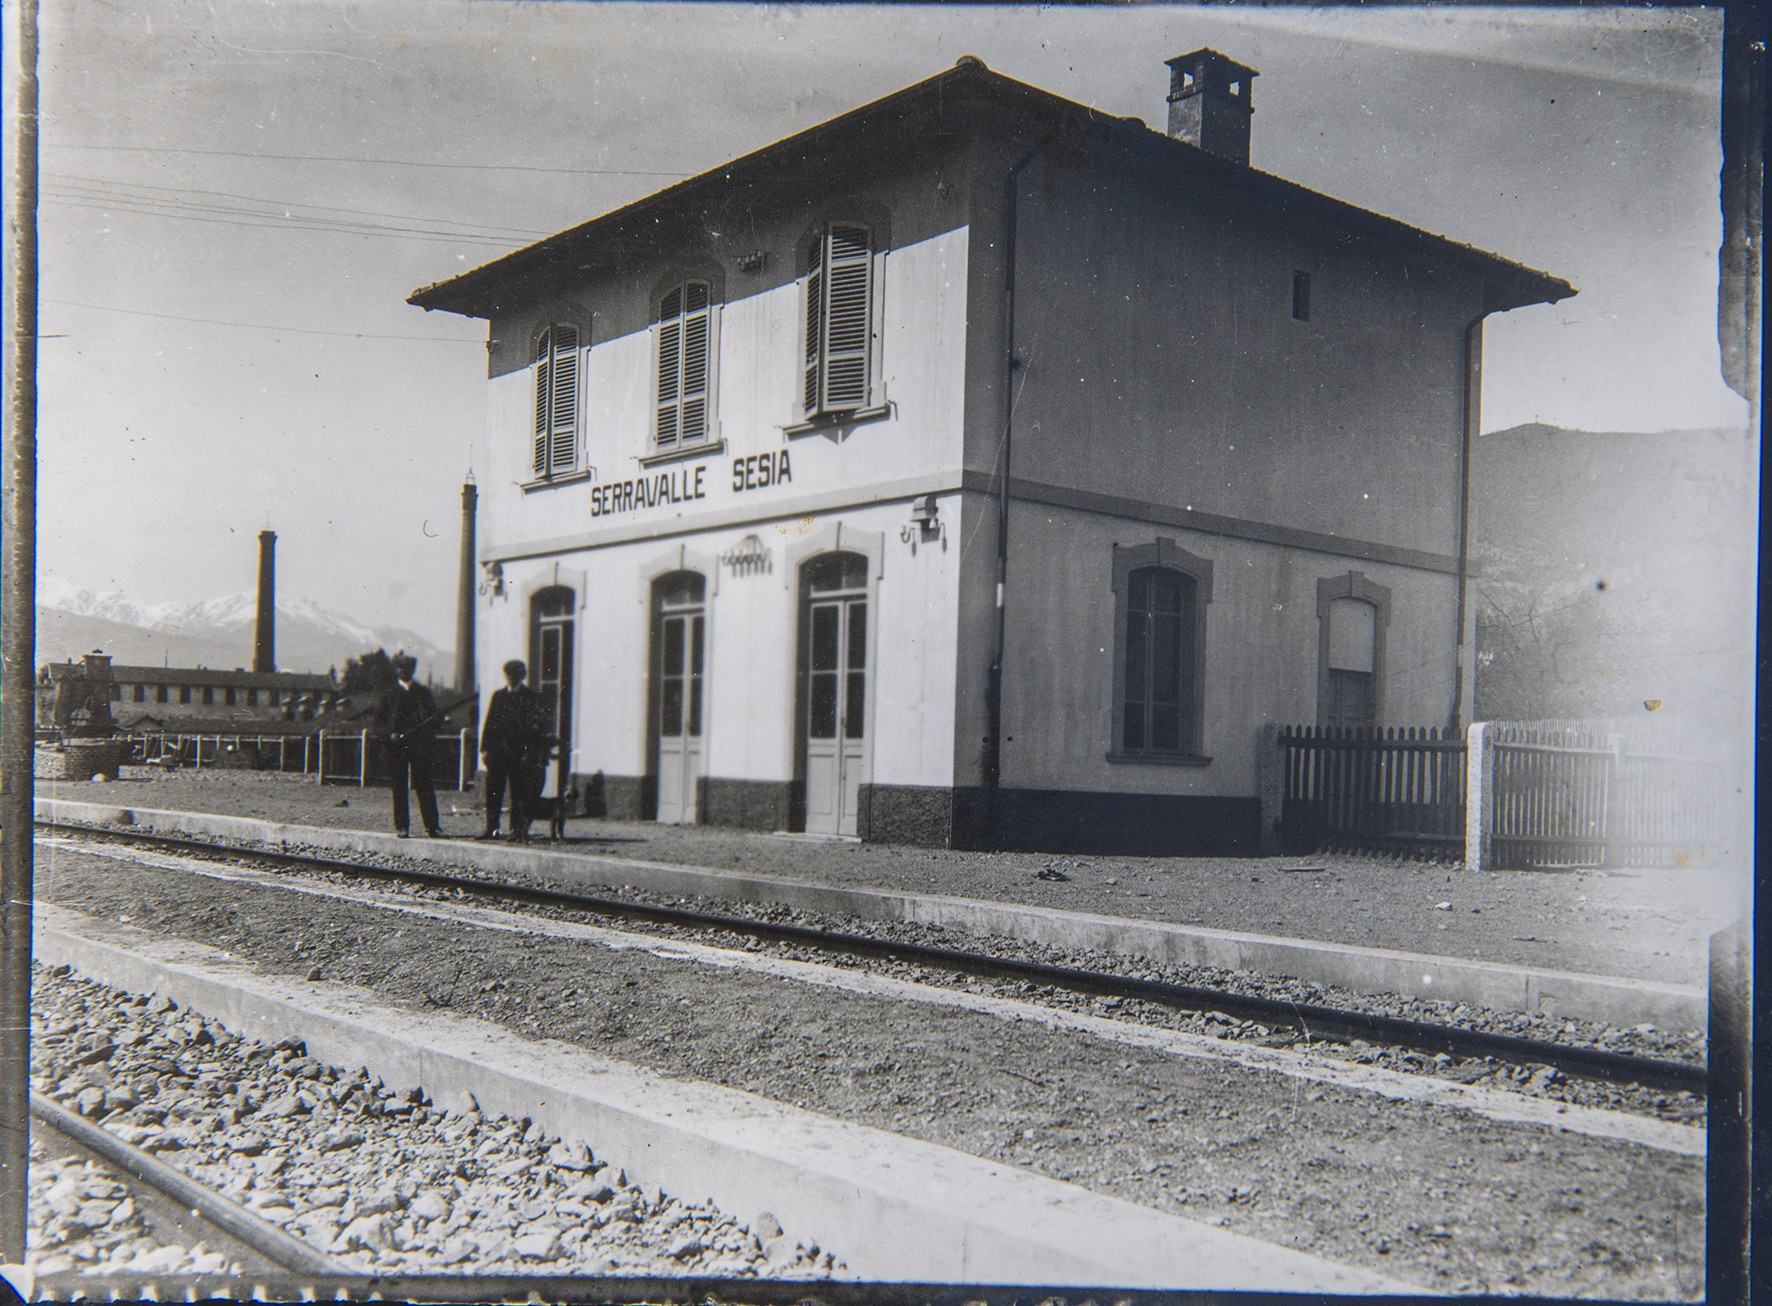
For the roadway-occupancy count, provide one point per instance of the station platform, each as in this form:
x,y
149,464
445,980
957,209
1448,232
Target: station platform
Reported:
x,y
1608,945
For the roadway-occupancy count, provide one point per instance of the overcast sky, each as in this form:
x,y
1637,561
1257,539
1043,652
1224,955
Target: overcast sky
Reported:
x,y
238,197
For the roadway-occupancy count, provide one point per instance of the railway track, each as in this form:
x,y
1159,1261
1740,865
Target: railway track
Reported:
x,y
1315,1021
266,1246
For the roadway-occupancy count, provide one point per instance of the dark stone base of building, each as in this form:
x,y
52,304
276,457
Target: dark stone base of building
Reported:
x,y
930,816
619,797
748,804
1060,820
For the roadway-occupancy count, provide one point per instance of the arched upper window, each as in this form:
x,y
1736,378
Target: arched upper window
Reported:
x,y
1160,597
839,321
556,400
685,353
1352,616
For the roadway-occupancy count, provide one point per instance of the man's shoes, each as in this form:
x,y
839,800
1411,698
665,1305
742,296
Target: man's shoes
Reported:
x,y
490,834
434,834
402,834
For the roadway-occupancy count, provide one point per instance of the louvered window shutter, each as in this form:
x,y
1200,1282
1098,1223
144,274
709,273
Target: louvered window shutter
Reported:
x,y
563,420
543,387
684,341
839,322
815,333
696,311
556,400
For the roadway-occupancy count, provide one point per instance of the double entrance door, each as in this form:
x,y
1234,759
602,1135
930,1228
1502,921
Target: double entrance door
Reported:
x,y
679,641
834,671
832,709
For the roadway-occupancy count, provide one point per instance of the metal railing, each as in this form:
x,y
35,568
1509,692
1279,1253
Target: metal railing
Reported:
x,y
361,759
357,757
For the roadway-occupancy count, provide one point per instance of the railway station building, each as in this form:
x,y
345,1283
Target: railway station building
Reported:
x,y
978,470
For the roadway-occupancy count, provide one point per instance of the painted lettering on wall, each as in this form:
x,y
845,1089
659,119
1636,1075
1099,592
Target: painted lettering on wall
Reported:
x,y
761,470
680,486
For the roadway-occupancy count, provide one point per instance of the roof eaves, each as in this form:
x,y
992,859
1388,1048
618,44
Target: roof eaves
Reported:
x,y
1507,284
468,293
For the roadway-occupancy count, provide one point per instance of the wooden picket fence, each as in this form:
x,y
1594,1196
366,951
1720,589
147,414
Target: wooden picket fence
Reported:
x,y
1392,790
1553,794
1586,795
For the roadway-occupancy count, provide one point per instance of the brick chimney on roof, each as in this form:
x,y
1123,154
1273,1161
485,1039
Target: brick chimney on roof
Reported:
x,y
1209,104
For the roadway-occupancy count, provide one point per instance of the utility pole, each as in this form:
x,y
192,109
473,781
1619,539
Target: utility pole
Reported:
x,y
18,643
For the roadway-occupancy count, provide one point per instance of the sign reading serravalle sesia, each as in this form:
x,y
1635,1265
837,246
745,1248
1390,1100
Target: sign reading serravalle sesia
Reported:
x,y
687,484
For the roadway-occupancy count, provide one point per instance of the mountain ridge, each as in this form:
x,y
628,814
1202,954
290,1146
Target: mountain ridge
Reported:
x,y
215,632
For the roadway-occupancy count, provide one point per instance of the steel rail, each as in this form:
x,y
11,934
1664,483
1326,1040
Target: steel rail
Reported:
x,y
229,1216
590,1290
1314,1020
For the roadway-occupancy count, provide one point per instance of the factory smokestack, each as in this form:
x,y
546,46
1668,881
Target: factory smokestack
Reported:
x,y
464,598
264,643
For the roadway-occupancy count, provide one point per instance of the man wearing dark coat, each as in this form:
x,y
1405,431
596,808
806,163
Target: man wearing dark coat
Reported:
x,y
409,719
512,741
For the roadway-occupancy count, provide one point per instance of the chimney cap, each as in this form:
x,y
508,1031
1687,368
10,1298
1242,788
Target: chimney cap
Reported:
x,y
1206,69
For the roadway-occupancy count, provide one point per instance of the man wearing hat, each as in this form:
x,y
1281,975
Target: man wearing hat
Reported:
x,y
409,720
512,741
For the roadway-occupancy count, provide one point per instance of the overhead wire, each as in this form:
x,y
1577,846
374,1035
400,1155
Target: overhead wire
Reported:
x,y
253,218
84,187
264,326
398,163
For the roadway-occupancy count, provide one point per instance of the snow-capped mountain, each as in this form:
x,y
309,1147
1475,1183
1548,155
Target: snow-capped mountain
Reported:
x,y
217,632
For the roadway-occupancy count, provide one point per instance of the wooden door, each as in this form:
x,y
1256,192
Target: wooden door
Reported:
x,y
551,662
835,727
679,644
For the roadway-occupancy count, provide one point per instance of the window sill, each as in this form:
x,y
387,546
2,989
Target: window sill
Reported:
x,y
1159,759
559,478
826,421
706,449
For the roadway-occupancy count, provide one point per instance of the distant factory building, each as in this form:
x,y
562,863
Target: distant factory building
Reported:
x,y
980,471
182,698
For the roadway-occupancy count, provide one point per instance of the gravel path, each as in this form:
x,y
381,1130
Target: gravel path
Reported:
x,y
384,1180
1449,1200
1639,924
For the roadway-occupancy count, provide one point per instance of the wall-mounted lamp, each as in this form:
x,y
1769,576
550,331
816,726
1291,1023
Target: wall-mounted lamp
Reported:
x,y
494,584
925,524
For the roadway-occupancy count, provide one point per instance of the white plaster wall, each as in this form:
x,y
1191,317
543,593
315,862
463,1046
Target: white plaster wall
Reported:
x,y
751,631
1260,661
757,380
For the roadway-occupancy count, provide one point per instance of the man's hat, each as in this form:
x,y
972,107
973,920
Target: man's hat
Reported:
x,y
516,668
404,664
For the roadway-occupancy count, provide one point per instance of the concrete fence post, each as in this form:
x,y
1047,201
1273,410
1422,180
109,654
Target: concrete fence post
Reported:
x,y
319,757
1270,782
363,760
1479,796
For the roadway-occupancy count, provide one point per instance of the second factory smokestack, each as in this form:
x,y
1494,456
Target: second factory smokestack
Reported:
x,y
464,598
264,644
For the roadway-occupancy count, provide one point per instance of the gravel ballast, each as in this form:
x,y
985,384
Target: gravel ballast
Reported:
x,y
1420,1192
384,1180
